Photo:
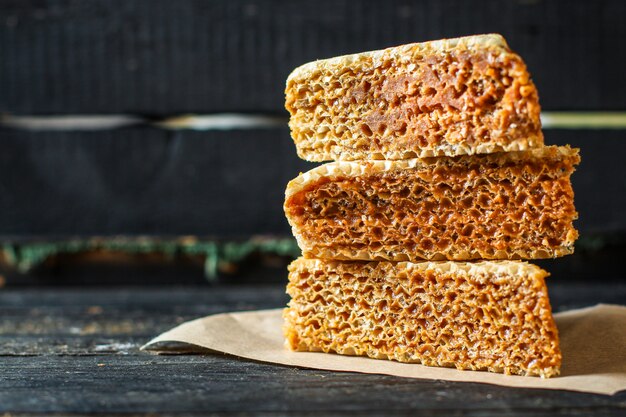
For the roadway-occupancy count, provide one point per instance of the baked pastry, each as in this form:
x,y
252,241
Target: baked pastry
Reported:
x,y
512,205
492,316
448,97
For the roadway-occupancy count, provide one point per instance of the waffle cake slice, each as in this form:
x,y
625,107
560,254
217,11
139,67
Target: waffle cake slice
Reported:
x,y
449,97
511,205
493,316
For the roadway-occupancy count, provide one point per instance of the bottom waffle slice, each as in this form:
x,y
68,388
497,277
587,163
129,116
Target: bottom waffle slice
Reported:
x,y
491,315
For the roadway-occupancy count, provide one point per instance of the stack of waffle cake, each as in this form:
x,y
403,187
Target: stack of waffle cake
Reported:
x,y
413,239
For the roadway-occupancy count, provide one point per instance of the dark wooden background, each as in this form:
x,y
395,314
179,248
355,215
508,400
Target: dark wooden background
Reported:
x,y
158,59
161,57
70,337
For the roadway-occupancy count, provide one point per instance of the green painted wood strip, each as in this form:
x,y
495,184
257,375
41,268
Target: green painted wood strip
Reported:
x,y
241,121
583,120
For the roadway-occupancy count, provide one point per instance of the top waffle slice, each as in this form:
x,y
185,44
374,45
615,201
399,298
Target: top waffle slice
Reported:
x,y
468,95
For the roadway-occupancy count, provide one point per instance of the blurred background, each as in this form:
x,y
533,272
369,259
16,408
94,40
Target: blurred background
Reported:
x,y
147,142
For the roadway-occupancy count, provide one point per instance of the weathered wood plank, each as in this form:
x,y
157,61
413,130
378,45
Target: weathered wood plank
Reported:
x,y
145,181
75,351
87,321
218,384
162,298
163,57
149,181
224,184
95,321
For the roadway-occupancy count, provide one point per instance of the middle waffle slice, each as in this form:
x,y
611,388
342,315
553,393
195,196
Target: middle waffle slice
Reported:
x,y
513,205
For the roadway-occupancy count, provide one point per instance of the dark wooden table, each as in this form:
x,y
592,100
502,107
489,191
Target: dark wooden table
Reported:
x,y
75,351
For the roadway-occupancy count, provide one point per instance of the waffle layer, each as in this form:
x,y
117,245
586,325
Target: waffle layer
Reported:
x,y
516,205
493,316
448,97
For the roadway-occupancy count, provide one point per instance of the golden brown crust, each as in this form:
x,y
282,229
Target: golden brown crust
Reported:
x,y
492,316
449,97
498,206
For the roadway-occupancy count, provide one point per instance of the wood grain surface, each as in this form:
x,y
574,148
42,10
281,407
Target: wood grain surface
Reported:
x,y
158,59
75,351
162,57
222,183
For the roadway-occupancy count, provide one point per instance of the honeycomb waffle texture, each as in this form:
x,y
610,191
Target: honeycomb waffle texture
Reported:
x,y
448,97
493,316
512,205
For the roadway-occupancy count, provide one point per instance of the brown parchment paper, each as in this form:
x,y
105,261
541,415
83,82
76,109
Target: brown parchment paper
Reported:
x,y
593,342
